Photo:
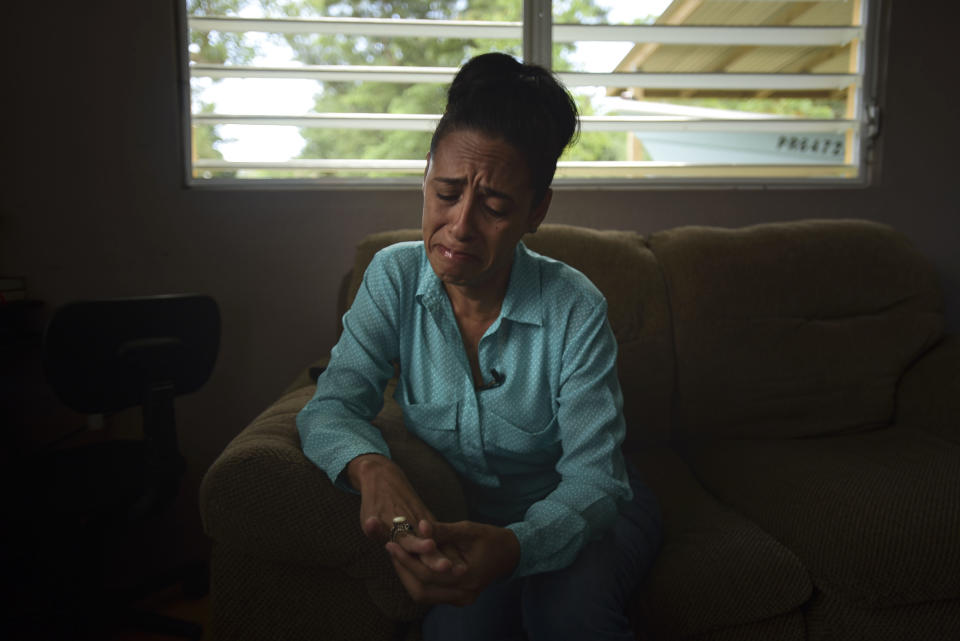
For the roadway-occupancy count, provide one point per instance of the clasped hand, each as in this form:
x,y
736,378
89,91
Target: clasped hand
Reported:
x,y
453,562
440,562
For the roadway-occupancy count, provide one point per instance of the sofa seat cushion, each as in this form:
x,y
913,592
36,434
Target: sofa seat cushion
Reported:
x,y
716,569
828,619
266,600
874,516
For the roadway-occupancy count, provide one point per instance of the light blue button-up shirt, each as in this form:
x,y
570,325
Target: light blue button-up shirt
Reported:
x,y
540,453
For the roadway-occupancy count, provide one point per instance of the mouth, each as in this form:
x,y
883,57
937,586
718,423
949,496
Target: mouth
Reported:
x,y
454,255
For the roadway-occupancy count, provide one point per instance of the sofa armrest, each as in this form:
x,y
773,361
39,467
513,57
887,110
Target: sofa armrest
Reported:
x,y
929,393
264,498
308,376
264,495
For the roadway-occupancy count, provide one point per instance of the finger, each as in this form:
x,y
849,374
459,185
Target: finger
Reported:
x,y
457,560
437,561
423,572
416,545
448,548
428,593
412,563
426,550
410,514
374,528
425,529
452,532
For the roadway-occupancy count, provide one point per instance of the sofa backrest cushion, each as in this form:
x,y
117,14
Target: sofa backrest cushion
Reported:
x,y
364,254
621,265
794,329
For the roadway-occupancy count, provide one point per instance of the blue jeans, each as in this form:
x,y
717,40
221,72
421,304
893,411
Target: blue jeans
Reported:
x,y
586,600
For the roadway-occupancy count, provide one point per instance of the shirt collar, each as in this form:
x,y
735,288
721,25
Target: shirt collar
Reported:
x,y
430,290
522,302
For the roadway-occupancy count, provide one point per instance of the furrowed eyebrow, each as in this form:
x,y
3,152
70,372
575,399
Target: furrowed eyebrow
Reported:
x,y
459,182
452,182
495,193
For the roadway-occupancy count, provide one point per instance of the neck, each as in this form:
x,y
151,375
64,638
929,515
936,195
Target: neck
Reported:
x,y
474,302
482,301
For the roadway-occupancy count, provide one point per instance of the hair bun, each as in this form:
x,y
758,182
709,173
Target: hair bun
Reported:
x,y
523,104
484,71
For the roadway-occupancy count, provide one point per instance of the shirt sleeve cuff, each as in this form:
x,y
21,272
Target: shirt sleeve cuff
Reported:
x,y
523,532
337,468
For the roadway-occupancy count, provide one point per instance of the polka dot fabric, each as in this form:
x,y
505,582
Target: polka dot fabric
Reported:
x,y
540,451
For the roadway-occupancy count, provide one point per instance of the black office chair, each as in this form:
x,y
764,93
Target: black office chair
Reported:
x,y
101,357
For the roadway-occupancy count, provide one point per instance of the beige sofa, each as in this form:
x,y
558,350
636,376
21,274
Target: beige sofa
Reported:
x,y
790,396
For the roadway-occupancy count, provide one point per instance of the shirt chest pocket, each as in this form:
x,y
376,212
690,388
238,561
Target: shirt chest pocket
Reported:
x,y
433,423
536,440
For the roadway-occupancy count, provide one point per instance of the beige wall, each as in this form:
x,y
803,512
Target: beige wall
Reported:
x,y
94,205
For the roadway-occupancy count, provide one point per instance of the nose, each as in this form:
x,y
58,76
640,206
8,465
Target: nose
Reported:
x,y
463,221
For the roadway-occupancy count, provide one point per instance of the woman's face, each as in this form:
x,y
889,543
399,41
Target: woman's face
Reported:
x,y
477,203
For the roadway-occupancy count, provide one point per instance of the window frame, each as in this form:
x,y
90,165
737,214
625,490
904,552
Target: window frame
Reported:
x,y
537,47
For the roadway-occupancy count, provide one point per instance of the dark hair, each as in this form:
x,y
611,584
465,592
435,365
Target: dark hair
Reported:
x,y
522,104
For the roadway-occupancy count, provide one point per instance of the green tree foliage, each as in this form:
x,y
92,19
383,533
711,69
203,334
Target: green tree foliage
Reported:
x,y
426,98
205,141
382,97
396,98
214,47
596,145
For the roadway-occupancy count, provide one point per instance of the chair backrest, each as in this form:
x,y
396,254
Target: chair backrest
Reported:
x,y
102,356
107,355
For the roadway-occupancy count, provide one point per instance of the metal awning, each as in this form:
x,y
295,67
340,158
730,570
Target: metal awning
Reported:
x,y
796,55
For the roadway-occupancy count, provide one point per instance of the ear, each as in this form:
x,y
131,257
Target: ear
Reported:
x,y
538,213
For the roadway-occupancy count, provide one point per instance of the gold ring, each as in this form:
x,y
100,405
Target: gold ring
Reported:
x,y
400,528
